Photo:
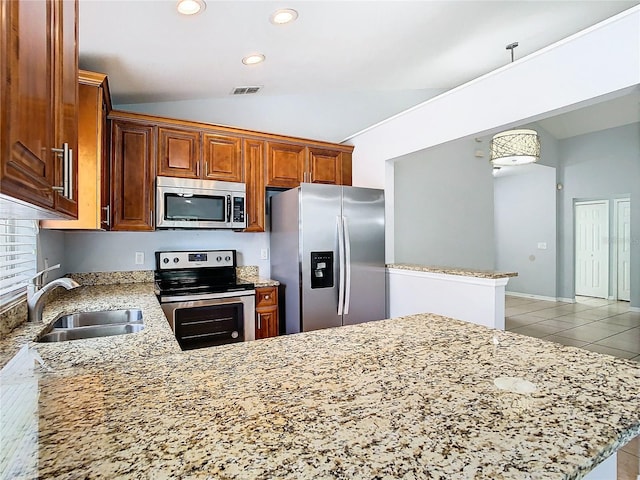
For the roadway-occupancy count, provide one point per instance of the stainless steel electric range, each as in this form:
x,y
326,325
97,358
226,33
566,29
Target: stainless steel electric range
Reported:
x,y
202,298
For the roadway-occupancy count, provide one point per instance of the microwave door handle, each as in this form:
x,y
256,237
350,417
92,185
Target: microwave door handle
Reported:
x,y
228,208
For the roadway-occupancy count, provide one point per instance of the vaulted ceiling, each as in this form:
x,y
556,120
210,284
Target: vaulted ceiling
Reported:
x,y
352,63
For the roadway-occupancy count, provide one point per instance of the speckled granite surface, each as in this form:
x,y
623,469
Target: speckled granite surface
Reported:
x,y
408,398
453,271
251,274
109,278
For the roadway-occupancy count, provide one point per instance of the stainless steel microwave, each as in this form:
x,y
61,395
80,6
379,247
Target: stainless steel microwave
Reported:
x,y
189,203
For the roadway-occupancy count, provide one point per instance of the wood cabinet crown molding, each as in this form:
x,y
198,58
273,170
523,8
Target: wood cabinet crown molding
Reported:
x,y
224,129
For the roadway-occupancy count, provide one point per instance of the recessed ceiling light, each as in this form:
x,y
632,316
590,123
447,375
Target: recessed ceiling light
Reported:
x,y
253,59
282,16
191,7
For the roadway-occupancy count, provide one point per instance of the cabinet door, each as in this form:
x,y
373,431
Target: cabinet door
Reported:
x,y
178,152
285,165
222,158
254,178
133,175
66,100
266,312
266,322
27,161
325,166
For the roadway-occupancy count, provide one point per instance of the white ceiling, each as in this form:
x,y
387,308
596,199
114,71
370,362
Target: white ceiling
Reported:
x,y
335,48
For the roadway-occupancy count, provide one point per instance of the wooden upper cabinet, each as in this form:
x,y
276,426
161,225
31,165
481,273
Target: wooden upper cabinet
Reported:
x,y
38,106
285,164
28,163
325,166
133,176
93,156
222,158
66,93
178,152
254,179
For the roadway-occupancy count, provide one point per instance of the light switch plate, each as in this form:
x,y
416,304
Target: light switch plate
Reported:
x,y
139,258
264,254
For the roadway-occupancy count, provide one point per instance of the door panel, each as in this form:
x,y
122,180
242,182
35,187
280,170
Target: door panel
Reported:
x,y
592,249
320,210
624,250
27,102
222,158
363,209
326,166
285,165
178,152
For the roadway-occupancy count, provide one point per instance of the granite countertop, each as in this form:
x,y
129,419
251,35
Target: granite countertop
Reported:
x,y
466,272
259,281
411,397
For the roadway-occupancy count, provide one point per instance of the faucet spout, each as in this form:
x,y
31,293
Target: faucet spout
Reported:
x,y
35,302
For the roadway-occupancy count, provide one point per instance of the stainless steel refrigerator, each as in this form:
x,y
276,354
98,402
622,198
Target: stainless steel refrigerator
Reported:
x,y
327,248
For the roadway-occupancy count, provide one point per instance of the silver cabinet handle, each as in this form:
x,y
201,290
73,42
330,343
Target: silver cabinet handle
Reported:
x,y
206,169
259,322
66,154
198,169
107,209
151,218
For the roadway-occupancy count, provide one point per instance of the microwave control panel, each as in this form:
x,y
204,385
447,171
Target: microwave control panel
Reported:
x,y
238,210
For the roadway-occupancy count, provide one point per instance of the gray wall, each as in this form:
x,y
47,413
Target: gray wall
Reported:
x,y
115,251
444,207
600,165
525,215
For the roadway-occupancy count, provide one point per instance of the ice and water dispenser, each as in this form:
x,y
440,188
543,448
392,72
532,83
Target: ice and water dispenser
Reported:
x,y
321,269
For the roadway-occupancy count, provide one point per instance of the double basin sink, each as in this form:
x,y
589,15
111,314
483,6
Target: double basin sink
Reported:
x,y
76,326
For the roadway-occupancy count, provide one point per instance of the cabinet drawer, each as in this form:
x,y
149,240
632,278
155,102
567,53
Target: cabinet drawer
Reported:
x,y
266,296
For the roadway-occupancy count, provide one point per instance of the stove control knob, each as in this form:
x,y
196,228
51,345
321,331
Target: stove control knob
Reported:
x,y
218,259
165,260
176,259
227,258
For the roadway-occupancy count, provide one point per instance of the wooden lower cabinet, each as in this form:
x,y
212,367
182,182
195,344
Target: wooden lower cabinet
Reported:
x,y
266,312
132,176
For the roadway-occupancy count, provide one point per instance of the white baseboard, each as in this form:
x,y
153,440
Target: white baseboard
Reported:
x,y
634,309
567,300
535,297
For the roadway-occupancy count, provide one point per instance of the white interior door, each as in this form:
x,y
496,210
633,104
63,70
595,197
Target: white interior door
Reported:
x,y
592,249
623,216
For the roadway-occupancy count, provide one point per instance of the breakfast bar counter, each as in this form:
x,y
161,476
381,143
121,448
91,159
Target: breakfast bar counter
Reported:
x,y
411,397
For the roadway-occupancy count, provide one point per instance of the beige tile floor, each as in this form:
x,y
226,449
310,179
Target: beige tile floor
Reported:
x,y
595,324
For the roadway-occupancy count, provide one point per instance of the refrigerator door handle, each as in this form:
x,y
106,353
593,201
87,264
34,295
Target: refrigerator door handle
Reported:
x,y
340,264
347,264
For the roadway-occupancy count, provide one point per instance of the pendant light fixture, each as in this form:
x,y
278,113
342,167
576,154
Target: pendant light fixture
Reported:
x,y
515,147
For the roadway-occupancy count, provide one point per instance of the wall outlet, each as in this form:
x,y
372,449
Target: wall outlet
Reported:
x,y
139,258
542,245
264,254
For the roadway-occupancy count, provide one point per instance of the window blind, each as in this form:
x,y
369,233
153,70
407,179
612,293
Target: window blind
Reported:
x,y
18,259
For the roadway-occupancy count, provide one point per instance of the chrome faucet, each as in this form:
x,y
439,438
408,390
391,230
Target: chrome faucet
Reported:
x,y
36,293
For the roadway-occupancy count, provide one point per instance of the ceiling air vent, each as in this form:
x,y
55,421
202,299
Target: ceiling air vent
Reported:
x,y
245,90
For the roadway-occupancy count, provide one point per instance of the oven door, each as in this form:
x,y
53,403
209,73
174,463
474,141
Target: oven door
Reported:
x,y
210,322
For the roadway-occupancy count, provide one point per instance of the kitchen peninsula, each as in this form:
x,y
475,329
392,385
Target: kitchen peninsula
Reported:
x,y
472,295
410,397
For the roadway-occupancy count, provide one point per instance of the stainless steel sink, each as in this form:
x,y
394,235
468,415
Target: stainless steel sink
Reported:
x,y
63,334
107,317
76,326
